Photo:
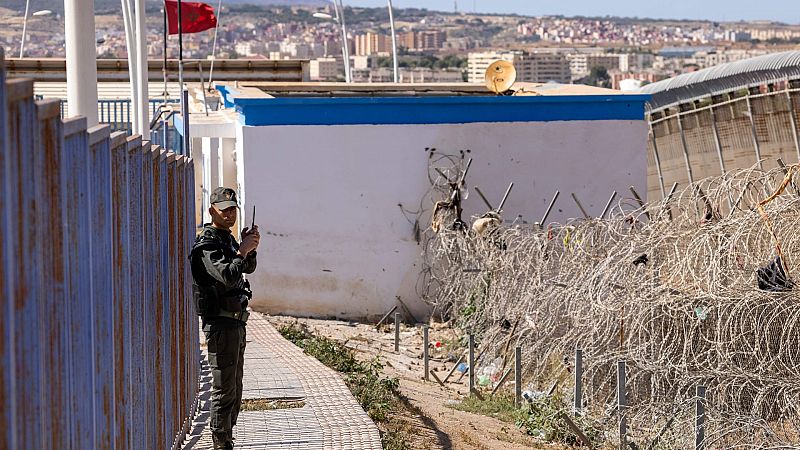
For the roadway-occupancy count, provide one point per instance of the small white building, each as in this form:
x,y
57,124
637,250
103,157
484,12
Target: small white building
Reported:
x,y
325,69
340,175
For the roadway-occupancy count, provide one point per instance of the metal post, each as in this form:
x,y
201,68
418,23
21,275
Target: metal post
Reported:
x,y
578,381
339,9
622,405
81,53
658,160
397,332
184,93
578,202
505,197
455,366
471,367
394,44
700,414
717,141
166,51
24,29
685,147
608,205
214,47
385,317
756,147
185,119
127,17
142,77
793,120
425,351
518,376
549,208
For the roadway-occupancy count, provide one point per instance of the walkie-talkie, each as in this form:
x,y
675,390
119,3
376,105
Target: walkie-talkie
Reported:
x,y
253,225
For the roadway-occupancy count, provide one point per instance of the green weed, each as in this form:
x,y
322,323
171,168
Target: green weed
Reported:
x,y
378,395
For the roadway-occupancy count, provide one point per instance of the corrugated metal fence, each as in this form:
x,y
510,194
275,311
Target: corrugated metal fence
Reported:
x,y
99,343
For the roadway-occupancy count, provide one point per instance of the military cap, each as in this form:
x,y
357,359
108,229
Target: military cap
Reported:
x,y
224,198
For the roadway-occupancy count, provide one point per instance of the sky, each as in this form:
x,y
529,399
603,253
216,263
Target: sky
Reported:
x,y
719,10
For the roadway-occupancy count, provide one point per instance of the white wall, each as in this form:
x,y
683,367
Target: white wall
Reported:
x,y
335,242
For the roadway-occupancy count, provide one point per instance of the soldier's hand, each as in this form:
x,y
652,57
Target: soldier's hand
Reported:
x,y
254,236
254,232
250,241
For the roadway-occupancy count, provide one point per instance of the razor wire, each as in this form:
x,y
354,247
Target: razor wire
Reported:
x,y
670,287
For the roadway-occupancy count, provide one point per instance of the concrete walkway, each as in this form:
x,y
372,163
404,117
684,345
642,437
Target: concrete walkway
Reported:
x,y
275,369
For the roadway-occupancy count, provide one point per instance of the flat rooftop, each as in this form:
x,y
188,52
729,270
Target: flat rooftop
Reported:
x,y
335,90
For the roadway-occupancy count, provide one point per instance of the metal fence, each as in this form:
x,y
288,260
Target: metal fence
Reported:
x,y
117,114
100,345
702,138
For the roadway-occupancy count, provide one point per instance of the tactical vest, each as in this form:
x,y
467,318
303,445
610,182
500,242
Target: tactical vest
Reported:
x,y
209,294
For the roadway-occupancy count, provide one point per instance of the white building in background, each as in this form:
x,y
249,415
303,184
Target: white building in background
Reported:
x,y
325,69
581,64
538,67
296,50
361,62
478,62
249,49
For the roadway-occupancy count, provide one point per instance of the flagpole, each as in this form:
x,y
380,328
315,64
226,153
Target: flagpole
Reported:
x,y
143,74
130,37
164,126
214,48
184,106
164,70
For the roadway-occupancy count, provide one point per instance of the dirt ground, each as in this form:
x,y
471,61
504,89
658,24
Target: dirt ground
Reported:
x,y
430,422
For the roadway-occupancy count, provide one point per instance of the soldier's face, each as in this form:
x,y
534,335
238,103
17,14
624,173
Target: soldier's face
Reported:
x,y
223,218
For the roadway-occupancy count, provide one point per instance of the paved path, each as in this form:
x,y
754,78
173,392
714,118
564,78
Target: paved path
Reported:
x,y
275,369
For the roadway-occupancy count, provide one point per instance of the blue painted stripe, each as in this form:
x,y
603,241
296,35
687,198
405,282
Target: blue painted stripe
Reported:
x,y
431,110
434,110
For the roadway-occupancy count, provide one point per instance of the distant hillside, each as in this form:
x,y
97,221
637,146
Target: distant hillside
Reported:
x,y
115,5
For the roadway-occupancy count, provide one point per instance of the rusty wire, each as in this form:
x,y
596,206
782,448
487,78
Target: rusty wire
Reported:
x,y
691,315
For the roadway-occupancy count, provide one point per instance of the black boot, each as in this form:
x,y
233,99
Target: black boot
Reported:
x,y
221,441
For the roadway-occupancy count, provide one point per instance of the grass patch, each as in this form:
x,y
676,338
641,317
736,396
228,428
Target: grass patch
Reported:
x,y
269,405
498,406
539,418
378,395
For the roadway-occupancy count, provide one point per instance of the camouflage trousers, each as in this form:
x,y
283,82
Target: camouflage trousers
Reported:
x,y
226,358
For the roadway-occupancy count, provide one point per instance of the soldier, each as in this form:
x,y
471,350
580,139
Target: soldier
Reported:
x,y
221,295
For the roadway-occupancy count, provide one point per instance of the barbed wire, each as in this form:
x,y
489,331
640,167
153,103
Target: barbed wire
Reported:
x,y
690,290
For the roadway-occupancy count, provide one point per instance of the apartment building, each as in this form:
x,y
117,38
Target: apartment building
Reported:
x,y
581,64
420,41
325,69
371,43
537,67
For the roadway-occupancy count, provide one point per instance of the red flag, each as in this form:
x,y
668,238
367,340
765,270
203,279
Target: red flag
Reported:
x,y
197,16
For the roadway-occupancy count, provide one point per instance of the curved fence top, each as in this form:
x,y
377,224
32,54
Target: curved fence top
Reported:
x,y
724,78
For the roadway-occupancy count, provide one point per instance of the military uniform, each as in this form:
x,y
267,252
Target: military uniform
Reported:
x,y
221,296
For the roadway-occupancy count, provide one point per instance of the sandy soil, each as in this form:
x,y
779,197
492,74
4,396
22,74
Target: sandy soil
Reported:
x,y
433,424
